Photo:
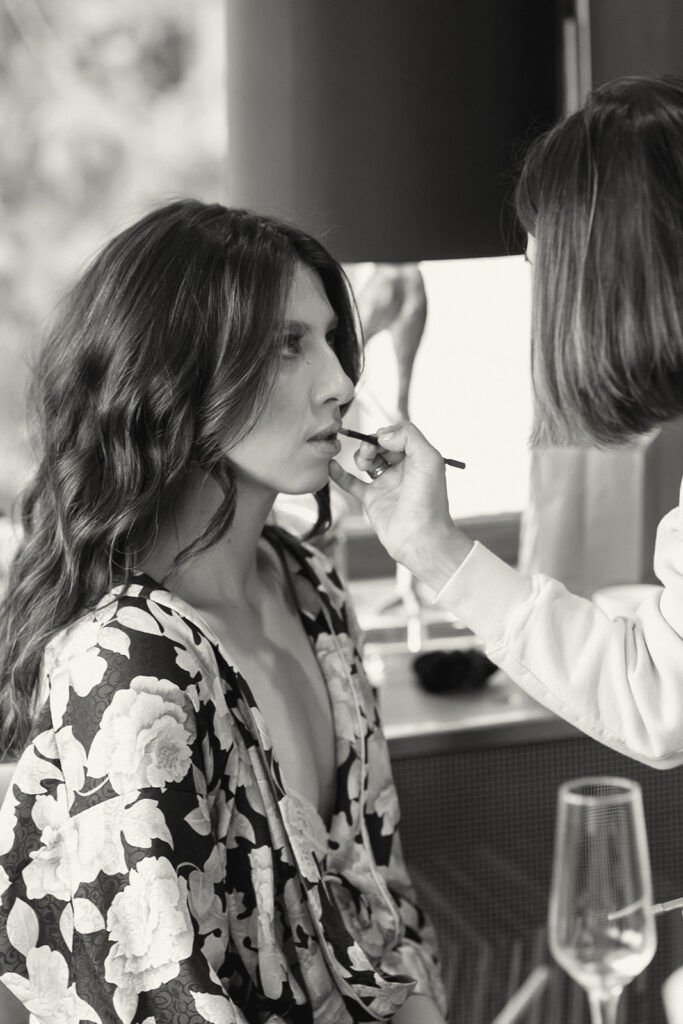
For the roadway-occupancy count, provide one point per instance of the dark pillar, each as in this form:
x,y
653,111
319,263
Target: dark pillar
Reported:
x,y
391,128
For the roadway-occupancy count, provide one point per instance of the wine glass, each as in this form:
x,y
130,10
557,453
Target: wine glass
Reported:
x,y
601,924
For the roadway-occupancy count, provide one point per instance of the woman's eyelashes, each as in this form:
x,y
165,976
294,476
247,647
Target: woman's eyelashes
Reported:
x,y
293,343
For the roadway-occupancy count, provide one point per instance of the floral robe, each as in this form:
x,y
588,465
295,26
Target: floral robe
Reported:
x,y
153,866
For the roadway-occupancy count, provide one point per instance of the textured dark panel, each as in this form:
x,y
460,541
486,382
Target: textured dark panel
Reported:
x,y
636,37
478,829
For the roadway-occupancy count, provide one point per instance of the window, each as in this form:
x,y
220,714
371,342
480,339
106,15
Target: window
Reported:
x,y
470,390
110,109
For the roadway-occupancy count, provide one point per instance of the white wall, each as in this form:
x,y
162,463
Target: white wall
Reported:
x,y
470,391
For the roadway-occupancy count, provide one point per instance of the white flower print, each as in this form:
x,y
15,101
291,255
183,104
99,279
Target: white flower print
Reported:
x,y
217,1009
199,819
349,860
73,759
261,862
214,946
308,595
262,729
74,659
145,736
139,620
358,958
381,797
32,771
8,820
367,920
205,903
325,998
240,828
195,655
386,806
149,925
46,992
321,993
214,865
47,873
335,594
66,925
199,777
242,928
252,776
334,657
97,845
87,918
87,844
22,927
354,781
272,965
46,744
307,834
221,809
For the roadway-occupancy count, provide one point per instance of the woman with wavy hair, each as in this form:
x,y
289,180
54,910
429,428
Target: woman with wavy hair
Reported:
x,y
202,823
601,197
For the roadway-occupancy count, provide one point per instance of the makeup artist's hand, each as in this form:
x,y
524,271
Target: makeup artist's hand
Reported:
x,y
407,505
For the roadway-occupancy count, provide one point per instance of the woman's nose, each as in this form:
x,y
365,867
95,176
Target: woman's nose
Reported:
x,y
333,383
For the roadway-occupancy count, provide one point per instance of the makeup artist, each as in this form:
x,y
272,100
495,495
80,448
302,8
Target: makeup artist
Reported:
x,y
601,198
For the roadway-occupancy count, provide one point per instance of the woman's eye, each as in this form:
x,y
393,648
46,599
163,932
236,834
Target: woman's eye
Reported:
x,y
291,345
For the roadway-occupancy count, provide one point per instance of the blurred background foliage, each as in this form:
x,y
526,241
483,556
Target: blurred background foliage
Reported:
x,y
108,108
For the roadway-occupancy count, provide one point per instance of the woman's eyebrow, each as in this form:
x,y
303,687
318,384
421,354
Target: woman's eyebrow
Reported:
x,y
302,325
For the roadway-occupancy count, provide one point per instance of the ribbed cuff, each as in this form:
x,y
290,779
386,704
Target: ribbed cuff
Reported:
x,y
484,592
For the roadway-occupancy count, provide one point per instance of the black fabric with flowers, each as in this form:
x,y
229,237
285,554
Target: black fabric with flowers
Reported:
x,y
153,866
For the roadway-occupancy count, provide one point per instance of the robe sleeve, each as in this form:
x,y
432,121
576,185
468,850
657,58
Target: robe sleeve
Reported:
x,y
113,886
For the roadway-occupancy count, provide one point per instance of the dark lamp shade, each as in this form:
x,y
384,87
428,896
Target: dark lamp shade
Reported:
x,y
391,129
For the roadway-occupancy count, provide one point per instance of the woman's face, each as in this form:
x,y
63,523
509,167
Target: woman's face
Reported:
x,y
290,447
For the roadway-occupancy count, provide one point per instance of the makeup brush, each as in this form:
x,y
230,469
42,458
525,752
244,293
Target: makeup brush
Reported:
x,y
373,439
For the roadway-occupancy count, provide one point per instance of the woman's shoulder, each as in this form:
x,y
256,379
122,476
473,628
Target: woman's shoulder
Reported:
x,y
137,627
140,656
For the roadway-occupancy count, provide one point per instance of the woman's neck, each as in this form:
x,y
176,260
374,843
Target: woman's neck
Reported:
x,y
228,571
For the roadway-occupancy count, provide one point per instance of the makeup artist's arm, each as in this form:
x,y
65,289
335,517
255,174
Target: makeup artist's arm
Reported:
x,y
618,681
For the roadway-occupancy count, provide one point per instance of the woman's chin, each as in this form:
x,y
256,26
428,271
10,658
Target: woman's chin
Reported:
x,y
308,484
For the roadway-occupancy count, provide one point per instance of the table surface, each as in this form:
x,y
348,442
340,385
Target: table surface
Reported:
x,y
498,713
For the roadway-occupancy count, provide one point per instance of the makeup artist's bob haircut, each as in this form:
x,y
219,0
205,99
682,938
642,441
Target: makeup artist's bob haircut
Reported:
x,y
163,356
602,194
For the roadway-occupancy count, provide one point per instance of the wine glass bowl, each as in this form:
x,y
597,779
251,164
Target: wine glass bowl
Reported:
x,y
601,926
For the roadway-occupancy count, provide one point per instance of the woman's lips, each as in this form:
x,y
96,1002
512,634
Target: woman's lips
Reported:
x,y
328,444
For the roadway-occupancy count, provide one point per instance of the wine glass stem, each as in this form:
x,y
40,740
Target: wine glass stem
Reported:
x,y
604,1007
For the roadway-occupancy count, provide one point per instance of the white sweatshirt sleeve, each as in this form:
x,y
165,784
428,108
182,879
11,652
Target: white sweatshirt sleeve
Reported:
x,y
620,681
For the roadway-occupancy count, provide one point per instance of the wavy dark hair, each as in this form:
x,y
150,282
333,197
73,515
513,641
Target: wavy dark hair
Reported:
x,y
164,349
602,194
